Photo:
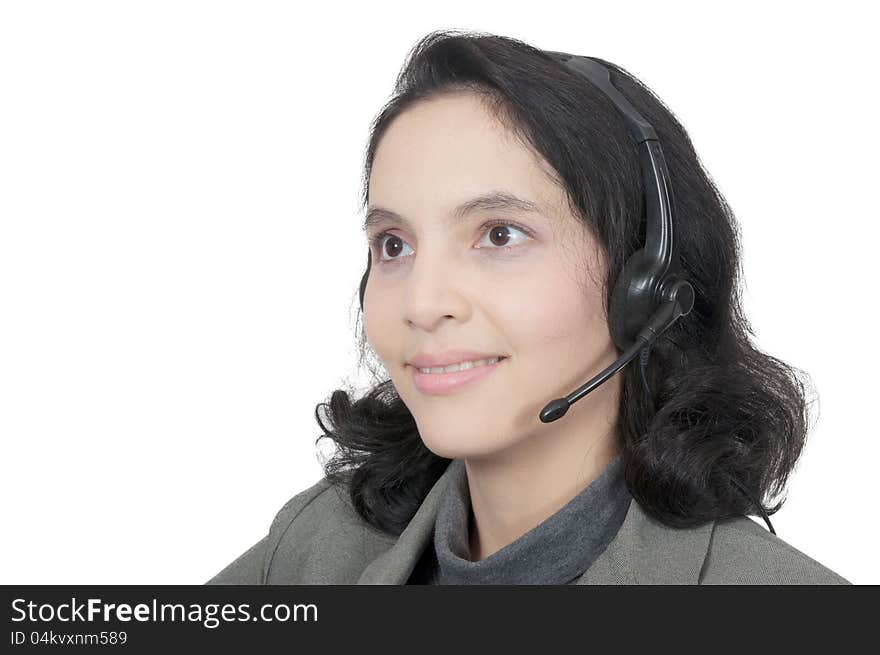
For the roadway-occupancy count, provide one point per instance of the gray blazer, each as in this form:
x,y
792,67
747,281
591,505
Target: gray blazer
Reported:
x,y
318,538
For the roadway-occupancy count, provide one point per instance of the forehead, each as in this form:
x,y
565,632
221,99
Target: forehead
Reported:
x,y
441,151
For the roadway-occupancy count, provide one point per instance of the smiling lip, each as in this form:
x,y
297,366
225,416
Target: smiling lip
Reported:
x,y
443,384
447,357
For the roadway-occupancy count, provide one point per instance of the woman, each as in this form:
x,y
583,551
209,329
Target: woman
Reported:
x,y
504,196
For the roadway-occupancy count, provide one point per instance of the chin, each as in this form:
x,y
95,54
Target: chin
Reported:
x,y
443,446
457,445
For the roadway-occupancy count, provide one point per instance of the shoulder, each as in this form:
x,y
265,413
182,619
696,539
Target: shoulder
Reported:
x,y
311,504
743,552
318,537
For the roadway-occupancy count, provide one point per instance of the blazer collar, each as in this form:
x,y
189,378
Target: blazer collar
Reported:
x,y
644,551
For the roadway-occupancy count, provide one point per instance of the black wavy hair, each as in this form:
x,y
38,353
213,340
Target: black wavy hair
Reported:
x,y
721,418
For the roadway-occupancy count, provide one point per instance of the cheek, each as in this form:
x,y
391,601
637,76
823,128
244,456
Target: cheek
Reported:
x,y
555,316
557,328
547,305
384,328
375,321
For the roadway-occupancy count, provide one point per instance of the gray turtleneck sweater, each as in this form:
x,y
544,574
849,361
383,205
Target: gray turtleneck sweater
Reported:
x,y
555,552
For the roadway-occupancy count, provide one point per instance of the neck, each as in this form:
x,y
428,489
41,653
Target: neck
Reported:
x,y
514,491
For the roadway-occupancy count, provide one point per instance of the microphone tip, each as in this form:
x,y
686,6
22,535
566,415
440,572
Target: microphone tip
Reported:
x,y
554,410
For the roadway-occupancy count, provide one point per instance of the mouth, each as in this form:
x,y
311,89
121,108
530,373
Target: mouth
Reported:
x,y
461,366
448,382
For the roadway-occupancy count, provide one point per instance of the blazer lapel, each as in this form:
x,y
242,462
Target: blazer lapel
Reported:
x,y
394,566
645,551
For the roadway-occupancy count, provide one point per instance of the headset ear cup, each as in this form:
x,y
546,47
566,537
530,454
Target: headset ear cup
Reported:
x,y
617,314
632,301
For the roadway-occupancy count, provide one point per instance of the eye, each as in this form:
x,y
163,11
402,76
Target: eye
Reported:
x,y
378,243
498,234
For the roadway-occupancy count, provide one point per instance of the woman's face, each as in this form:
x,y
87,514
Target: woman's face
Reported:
x,y
495,280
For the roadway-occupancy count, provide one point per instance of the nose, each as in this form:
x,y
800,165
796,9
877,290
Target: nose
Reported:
x,y
435,289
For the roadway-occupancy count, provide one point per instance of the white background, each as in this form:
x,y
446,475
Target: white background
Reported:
x,y
180,250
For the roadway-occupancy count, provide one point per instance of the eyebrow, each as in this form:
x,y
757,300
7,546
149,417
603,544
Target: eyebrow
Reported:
x,y
493,201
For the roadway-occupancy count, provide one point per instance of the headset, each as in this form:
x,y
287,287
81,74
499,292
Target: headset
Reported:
x,y
651,292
